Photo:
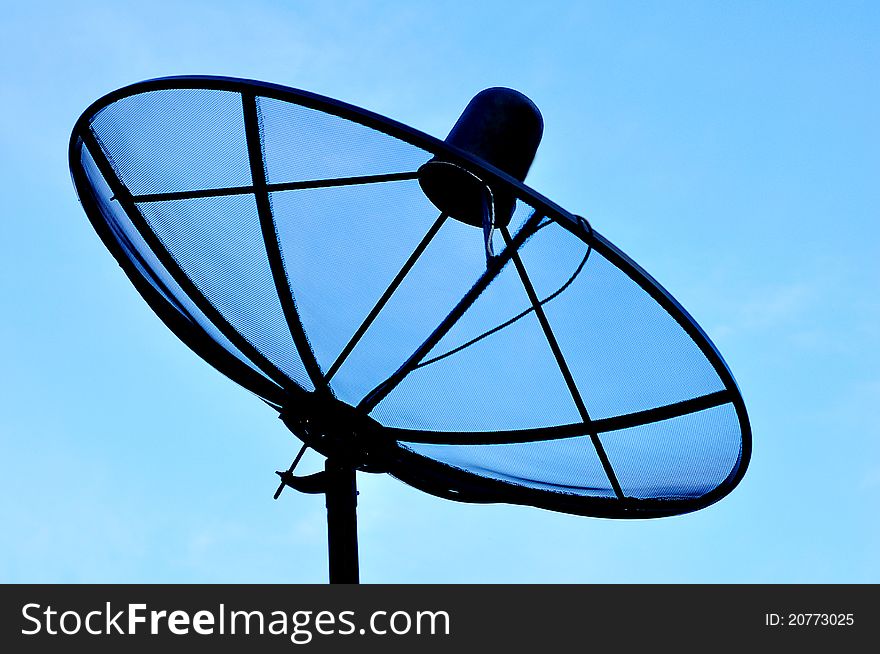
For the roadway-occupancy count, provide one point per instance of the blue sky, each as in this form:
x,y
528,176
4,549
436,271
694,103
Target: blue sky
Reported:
x,y
731,149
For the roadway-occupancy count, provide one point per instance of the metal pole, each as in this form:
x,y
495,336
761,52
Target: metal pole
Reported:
x,y
341,497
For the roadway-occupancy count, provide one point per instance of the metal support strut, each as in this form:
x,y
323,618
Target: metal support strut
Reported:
x,y
338,485
341,495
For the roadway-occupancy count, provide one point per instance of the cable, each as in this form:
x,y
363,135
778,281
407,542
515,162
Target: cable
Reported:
x,y
517,317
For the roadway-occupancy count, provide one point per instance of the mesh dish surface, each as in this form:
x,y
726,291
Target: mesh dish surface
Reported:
x,y
284,237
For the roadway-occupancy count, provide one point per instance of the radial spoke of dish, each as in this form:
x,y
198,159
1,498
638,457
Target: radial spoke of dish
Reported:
x,y
122,195
274,188
380,304
573,430
560,360
273,248
151,284
494,267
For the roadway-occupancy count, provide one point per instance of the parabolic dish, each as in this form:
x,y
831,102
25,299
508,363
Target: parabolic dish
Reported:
x,y
285,238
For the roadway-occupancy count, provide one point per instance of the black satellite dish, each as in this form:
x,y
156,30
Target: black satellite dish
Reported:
x,y
408,305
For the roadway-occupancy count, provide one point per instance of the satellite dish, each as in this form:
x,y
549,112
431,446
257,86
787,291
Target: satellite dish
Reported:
x,y
407,304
